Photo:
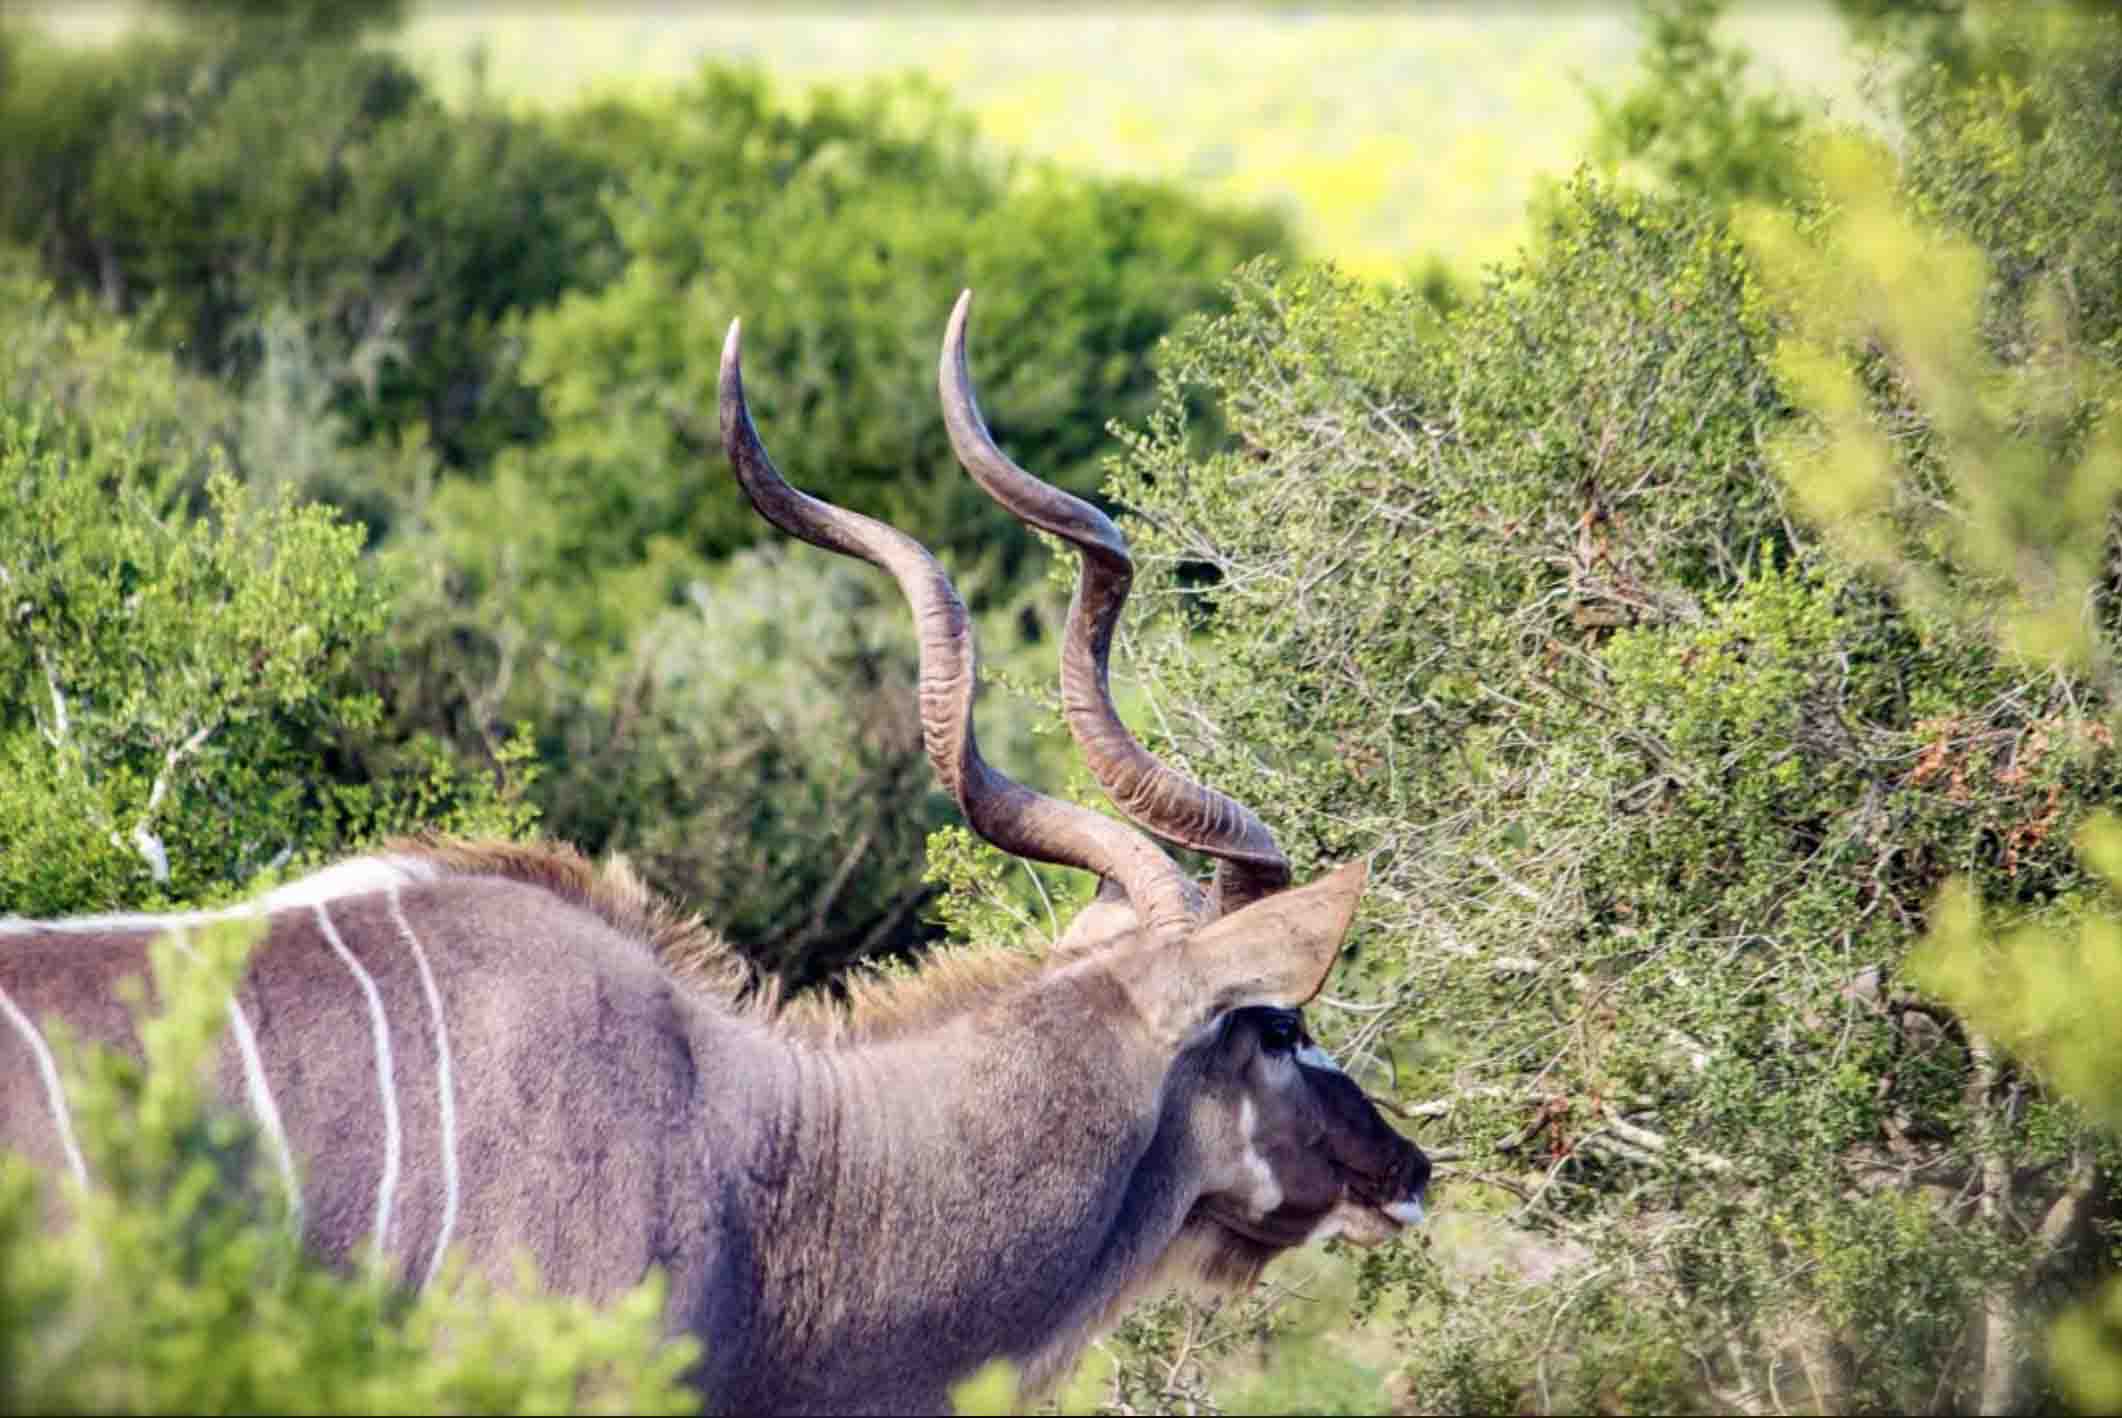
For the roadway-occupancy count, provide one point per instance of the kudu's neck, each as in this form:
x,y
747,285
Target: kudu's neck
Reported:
x,y
985,1189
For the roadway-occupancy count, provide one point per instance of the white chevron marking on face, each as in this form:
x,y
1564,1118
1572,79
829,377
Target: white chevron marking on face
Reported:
x,y
446,1088
54,1094
1266,1192
386,1082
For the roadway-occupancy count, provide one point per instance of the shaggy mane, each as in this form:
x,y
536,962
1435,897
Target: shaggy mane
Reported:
x,y
683,943
949,981
875,1007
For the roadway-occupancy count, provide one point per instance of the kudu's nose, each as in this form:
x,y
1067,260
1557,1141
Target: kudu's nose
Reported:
x,y
1416,1184
1389,1171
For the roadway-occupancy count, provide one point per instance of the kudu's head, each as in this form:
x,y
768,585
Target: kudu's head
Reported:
x,y
1278,1145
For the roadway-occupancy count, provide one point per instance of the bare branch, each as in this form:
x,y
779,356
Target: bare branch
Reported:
x,y
61,726
144,840
1661,1146
2000,1346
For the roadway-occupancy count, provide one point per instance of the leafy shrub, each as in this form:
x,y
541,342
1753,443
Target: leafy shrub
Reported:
x,y
760,754
2003,527
1664,785
2023,157
333,18
680,722
1693,121
225,175
185,679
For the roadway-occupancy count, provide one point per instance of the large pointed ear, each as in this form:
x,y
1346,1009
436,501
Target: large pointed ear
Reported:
x,y
1274,952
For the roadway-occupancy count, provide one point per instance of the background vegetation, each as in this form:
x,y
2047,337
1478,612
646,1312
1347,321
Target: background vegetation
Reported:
x,y
1707,614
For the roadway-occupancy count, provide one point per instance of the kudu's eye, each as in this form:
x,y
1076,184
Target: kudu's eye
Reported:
x,y
1280,1033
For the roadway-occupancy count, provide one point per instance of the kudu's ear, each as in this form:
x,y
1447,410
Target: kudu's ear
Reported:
x,y
1274,952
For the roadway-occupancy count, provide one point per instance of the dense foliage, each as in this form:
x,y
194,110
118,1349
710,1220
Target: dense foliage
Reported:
x,y
188,666
1668,764
188,663
490,337
843,229
221,179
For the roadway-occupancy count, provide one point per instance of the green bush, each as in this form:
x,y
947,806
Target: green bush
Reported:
x,y
2023,157
185,678
1681,616
1664,785
1693,121
310,18
178,1286
841,230
581,589
227,175
760,756
2002,528
186,703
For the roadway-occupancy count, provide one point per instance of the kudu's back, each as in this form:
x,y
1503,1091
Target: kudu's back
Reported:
x,y
432,1061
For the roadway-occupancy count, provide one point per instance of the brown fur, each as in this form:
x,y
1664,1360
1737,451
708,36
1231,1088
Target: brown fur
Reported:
x,y
878,1007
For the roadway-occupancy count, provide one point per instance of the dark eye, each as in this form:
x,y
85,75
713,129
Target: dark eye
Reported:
x,y
1279,1033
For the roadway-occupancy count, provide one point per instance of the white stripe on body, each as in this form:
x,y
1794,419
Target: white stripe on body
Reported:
x,y
53,1092
446,1090
358,876
259,1090
261,1096
133,921
386,1076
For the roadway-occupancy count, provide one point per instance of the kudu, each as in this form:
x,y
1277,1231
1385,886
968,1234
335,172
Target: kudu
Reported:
x,y
497,1048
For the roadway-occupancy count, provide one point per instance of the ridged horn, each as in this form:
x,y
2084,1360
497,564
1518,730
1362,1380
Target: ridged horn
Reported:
x,y
1005,812
1155,795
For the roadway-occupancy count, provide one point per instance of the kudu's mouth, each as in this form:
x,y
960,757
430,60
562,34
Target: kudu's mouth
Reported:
x,y
1363,1223
1370,1212
1374,1209
1370,1223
